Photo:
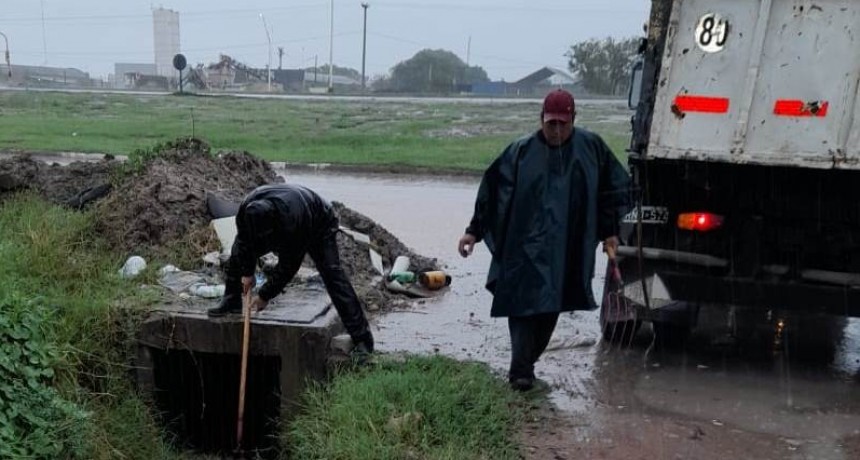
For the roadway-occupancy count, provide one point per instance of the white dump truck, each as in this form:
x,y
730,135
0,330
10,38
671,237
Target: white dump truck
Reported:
x,y
746,162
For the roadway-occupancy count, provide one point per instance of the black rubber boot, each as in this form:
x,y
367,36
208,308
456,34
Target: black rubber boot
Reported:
x,y
522,383
230,303
364,342
363,348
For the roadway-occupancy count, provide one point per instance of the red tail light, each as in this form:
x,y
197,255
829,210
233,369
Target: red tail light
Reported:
x,y
702,104
699,221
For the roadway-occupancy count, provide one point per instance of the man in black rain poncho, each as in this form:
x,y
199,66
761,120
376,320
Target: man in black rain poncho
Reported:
x,y
290,221
542,207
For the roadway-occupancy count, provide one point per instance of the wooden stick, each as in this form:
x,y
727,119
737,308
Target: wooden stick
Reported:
x,y
246,338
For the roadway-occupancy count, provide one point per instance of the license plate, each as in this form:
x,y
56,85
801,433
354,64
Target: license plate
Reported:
x,y
650,215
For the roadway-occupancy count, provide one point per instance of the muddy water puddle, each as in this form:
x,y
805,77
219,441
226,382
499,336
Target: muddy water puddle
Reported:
x,y
791,403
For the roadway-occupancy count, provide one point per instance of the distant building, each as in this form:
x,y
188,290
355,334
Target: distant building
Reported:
x,y
490,88
231,74
545,79
315,78
292,80
122,70
166,40
296,80
49,77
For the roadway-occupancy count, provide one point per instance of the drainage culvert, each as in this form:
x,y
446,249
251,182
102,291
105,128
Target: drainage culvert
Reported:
x,y
189,365
197,396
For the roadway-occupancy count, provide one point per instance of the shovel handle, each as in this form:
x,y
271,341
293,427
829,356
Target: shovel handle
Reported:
x,y
246,338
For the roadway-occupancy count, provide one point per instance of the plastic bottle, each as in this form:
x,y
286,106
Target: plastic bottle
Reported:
x,y
402,277
434,280
132,267
207,291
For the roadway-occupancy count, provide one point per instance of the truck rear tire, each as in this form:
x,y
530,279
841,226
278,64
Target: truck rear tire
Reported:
x,y
671,335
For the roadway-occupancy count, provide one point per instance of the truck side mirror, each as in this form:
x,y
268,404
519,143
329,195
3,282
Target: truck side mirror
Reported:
x,y
634,94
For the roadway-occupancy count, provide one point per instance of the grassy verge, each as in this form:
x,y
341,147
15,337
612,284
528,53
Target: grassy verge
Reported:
x,y
65,391
421,134
421,408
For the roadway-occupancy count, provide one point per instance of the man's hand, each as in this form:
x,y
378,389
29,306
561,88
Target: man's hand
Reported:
x,y
610,246
258,304
466,244
248,283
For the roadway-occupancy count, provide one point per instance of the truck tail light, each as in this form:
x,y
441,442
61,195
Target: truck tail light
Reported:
x,y
699,221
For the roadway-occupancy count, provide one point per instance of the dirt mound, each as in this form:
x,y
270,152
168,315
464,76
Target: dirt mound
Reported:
x,y
385,243
163,205
64,185
155,204
356,257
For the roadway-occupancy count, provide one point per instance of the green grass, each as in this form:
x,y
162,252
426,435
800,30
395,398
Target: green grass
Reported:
x,y
69,394
417,134
423,408
51,267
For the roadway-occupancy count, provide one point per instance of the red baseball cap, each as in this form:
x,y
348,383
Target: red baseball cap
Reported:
x,y
558,105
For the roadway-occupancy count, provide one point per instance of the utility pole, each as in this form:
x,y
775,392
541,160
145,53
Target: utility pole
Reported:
x,y
269,65
331,50
466,80
468,50
44,33
364,47
280,58
8,64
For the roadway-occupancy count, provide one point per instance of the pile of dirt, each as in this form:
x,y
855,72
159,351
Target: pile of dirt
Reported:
x,y
155,204
75,184
355,257
163,205
388,246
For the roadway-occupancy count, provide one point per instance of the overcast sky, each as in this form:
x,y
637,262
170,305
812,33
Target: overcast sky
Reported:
x,y
509,38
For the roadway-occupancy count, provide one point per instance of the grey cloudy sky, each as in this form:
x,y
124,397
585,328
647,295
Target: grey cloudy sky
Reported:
x,y
509,38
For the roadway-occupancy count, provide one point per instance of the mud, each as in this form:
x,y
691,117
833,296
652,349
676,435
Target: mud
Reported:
x,y
157,207
554,435
163,206
761,398
59,184
356,258
384,241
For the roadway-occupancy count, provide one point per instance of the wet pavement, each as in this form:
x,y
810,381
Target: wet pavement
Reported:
x,y
787,388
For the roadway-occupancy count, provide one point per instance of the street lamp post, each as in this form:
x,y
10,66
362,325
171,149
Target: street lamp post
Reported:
x,y
331,49
8,63
364,46
269,65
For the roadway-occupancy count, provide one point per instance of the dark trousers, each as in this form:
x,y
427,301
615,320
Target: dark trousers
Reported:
x,y
529,337
326,257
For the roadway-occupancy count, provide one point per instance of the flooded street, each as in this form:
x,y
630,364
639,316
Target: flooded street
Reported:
x,y
791,393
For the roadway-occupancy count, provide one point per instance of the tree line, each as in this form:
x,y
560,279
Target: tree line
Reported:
x,y
602,66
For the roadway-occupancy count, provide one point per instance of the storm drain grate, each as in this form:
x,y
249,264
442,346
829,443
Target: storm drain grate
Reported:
x,y
197,394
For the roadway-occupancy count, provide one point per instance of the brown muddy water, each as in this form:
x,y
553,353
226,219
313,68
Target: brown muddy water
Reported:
x,y
789,391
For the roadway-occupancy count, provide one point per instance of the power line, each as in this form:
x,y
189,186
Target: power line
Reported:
x,y
192,50
426,45
139,16
491,8
487,8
